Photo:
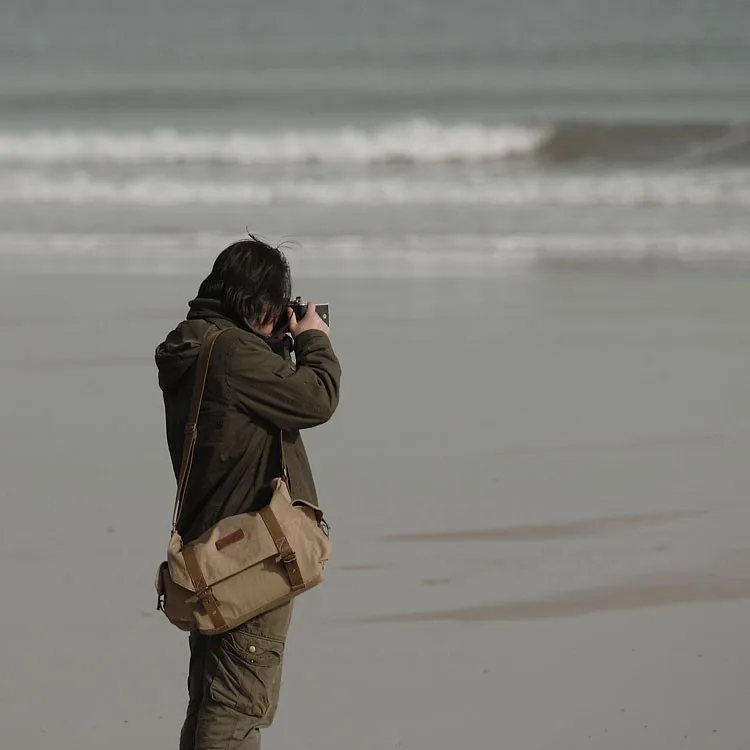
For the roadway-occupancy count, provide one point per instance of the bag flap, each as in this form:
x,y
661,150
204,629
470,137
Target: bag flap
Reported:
x,y
241,541
233,544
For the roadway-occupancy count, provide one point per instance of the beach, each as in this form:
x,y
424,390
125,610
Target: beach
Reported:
x,y
536,483
531,221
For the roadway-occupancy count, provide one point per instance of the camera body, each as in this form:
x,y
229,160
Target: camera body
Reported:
x,y
300,309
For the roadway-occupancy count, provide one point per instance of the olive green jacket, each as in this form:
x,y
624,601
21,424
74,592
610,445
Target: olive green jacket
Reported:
x,y
252,394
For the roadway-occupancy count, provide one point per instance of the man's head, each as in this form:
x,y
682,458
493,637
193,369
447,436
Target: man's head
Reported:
x,y
252,282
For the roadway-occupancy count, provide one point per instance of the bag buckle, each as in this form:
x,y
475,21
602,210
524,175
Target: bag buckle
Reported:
x,y
290,558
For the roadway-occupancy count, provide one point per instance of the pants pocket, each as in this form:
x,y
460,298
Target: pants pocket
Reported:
x,y
247,672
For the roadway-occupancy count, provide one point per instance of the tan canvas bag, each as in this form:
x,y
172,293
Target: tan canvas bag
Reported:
x,y
246,564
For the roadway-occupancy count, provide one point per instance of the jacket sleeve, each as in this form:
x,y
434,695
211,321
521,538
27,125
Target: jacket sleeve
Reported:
x,y
292,398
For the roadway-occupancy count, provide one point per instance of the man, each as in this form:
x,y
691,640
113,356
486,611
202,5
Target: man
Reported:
x,y
254,398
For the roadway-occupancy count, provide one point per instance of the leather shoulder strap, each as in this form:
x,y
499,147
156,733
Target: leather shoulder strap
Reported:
x,y
284,468
191,428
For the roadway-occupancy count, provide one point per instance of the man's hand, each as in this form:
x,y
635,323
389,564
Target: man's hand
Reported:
x,y
310,322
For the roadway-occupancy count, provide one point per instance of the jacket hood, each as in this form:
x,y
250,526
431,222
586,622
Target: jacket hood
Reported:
x,y
178,353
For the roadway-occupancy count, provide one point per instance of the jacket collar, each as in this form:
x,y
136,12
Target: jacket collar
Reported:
x,y
210,310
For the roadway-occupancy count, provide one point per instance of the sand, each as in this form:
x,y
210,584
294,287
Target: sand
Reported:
x,y
537,486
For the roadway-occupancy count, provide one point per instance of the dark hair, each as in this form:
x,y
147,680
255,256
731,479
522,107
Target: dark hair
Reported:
x,y
251,280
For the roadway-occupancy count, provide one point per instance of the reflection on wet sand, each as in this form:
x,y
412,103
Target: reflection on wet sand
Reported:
x,y
546,531
725,582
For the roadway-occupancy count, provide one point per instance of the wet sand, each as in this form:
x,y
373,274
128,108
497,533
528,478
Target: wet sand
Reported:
x,y
537,486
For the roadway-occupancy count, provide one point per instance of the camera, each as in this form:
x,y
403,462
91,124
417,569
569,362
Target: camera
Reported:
x,y
300,309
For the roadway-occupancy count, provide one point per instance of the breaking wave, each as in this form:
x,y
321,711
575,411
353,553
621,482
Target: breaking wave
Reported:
x,y
412,141
617,188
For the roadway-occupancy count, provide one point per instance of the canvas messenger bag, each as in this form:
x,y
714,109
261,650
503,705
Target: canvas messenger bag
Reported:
x,y
246,564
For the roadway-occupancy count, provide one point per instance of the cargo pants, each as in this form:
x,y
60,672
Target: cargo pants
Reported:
x,y
234,682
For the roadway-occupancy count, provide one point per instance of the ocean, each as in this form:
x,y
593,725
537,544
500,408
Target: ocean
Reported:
x,y
394,138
